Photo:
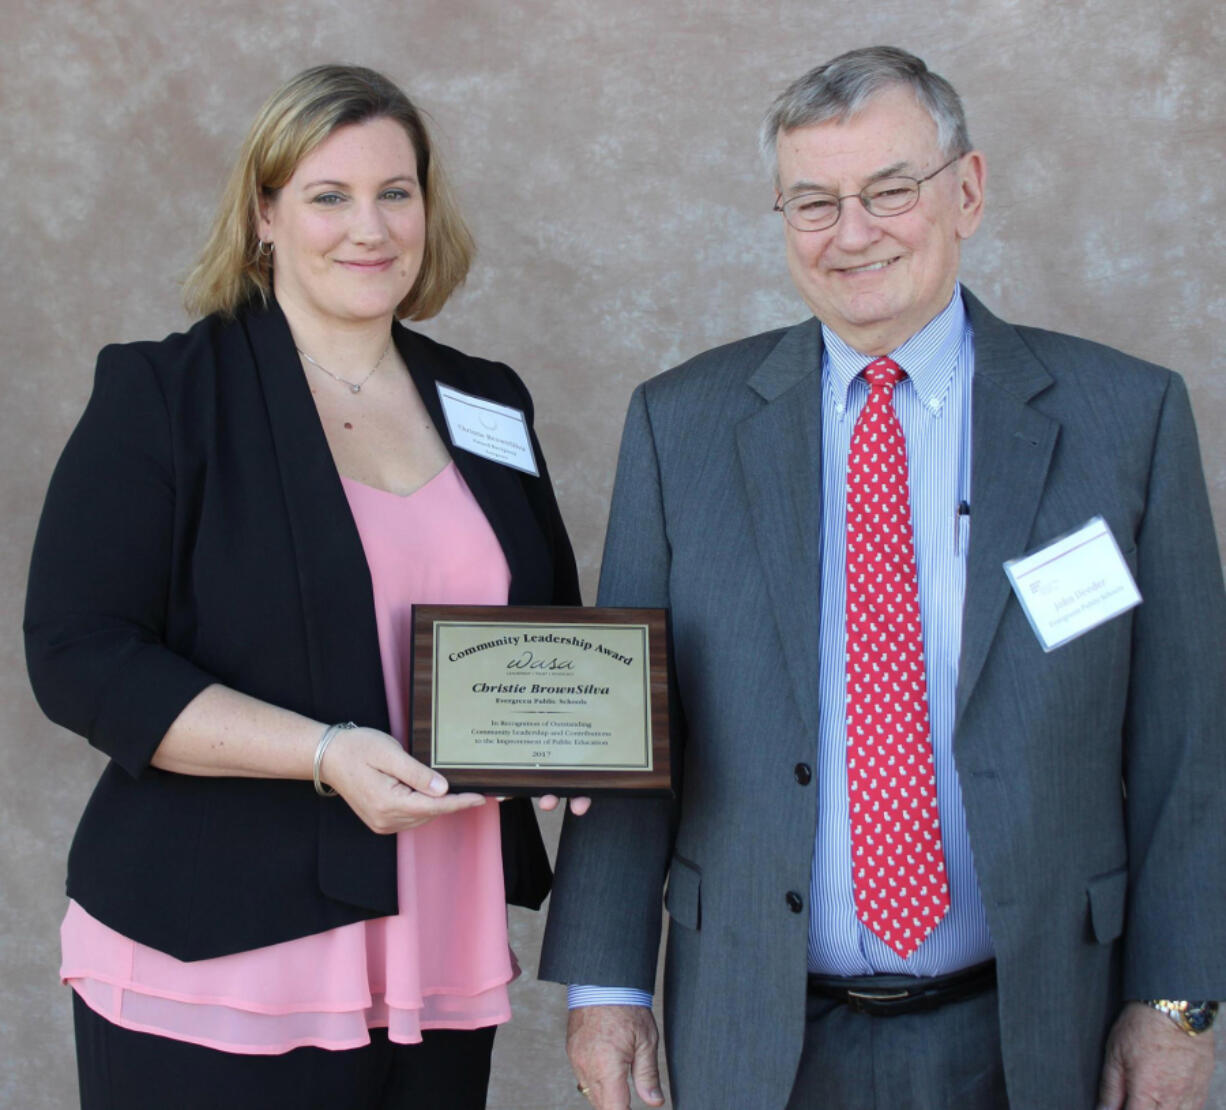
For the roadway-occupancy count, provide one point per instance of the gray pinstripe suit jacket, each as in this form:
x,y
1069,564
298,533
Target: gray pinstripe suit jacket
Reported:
x,y
1094,777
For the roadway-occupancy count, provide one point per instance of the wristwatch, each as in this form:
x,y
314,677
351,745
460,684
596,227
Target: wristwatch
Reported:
x,y
1191,1017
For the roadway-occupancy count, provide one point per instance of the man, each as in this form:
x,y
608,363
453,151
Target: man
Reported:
x,y
826,510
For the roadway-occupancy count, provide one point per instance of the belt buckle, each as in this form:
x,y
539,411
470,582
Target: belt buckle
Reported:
x,y
867,1002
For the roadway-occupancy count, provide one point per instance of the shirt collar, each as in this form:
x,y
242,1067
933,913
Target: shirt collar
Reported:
x,y
929,357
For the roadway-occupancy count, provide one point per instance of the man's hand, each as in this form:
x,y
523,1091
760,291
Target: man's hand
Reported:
x,y
1152,1064
606,1042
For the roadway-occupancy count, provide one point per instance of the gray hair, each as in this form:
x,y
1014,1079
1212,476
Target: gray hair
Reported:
x,y
840,88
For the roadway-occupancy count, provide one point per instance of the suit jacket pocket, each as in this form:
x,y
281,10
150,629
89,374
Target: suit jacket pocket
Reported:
x,y
1106,894
683,898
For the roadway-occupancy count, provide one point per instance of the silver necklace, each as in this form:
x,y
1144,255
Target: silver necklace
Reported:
x,y
354,387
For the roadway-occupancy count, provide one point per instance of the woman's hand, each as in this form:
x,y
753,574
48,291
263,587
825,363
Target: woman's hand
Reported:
x,y
384,785
579,804
223,732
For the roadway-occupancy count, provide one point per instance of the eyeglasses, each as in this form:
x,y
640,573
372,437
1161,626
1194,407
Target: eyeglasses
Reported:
x,y
890,196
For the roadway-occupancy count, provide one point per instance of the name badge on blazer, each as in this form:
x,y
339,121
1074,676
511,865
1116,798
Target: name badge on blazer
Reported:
x,y
493,431
1073,584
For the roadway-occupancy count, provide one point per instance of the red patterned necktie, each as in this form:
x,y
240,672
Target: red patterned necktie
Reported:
x,y
898,864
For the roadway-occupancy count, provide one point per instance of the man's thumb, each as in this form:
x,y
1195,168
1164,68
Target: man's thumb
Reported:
x,y
1111,1087
646,1072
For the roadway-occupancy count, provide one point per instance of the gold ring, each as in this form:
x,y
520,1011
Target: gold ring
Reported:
x,y
584,1091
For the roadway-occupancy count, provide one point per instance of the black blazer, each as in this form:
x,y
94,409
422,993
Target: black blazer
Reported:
x,y
196,531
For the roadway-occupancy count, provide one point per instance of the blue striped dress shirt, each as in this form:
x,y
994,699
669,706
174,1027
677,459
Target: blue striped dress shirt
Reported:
x,y
933,404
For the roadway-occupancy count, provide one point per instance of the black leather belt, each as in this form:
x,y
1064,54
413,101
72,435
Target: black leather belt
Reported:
x,y
889,995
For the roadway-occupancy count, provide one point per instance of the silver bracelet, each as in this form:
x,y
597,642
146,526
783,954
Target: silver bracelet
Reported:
x,y
323,790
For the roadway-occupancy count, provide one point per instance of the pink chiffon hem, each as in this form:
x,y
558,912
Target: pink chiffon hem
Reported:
x,y
443,962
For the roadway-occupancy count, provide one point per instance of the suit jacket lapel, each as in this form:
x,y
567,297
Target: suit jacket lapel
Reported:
x,y
780,453
1011,450
337,602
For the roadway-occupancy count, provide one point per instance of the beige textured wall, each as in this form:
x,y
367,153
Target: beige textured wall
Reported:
x,y
605,154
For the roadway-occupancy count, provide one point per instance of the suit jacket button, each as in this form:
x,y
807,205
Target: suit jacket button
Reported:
x,y
795,902
804,774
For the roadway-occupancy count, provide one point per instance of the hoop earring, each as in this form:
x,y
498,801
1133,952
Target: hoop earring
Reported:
x,y
259,250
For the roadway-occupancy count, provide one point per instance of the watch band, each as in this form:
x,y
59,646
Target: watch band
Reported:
x,y
1191,1017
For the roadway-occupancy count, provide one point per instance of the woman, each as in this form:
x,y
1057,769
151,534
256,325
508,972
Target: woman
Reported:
x,y
221,583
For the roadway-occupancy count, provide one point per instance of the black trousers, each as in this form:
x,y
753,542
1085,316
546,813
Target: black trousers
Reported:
x,y
122,1070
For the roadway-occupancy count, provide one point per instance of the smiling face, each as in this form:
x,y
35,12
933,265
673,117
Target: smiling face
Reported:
x,y
348,228
877,281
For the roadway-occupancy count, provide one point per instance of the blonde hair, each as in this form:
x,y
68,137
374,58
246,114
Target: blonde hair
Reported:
x,y
298,117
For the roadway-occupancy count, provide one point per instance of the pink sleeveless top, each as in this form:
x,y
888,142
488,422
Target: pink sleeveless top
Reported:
x,y
443,962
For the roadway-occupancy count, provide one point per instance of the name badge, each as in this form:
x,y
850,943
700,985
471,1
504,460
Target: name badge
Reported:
x,y
1074,584
493,431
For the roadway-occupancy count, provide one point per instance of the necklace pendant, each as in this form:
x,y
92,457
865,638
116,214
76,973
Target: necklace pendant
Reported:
x,y
355,389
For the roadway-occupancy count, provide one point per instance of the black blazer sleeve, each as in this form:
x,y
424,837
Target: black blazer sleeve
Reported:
x,y
96,607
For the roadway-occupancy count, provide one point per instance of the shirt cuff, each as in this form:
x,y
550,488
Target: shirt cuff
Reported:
x,y
577,996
